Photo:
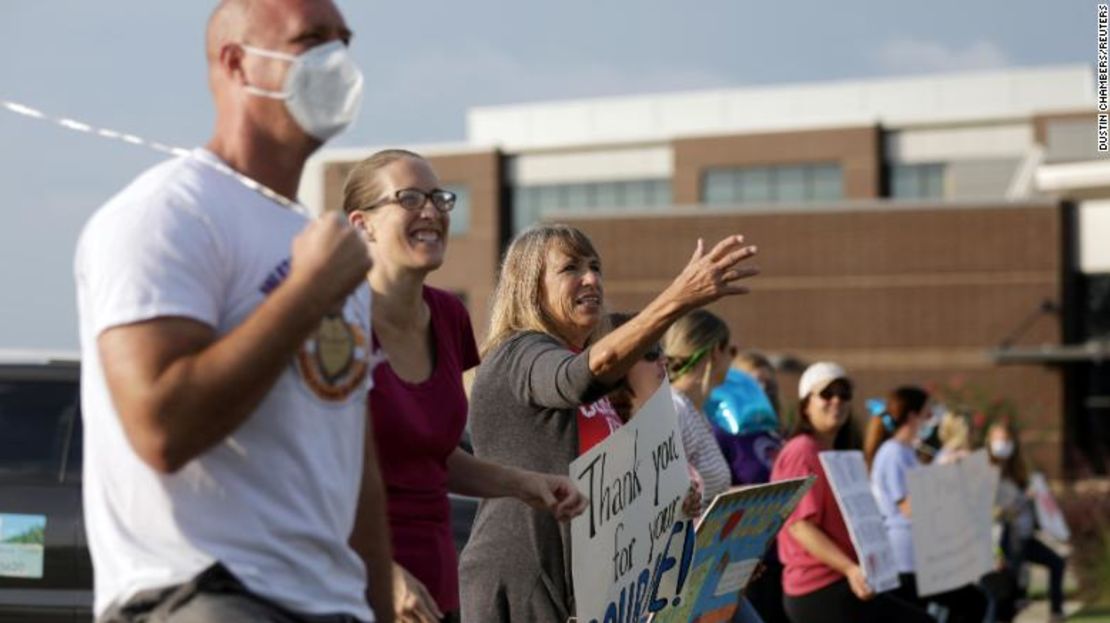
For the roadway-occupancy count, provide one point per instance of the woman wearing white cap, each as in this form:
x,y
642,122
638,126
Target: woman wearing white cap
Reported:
x,y
822,579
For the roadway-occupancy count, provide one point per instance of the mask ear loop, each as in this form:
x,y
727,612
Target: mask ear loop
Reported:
x,y
279,56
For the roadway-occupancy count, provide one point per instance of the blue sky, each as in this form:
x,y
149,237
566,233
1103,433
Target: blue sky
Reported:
x,y
137,65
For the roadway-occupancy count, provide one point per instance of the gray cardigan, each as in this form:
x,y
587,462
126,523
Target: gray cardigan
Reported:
x,y
523,413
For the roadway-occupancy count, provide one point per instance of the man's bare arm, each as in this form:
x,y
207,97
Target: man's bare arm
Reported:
x,y
371,537
179,390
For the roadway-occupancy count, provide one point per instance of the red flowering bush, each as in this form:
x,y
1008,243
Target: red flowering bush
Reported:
x,y
1086,505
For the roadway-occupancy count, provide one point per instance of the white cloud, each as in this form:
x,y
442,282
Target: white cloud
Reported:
x,y
907,54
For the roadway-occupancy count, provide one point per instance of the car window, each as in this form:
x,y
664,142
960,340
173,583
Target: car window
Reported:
x,y
36,418
76,452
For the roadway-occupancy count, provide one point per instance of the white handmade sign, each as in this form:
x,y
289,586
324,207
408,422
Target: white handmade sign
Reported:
x,y
632,549
1049,516
848,479
951,525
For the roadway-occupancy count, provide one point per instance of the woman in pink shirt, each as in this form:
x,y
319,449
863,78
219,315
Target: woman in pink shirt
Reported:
x,y
822,579
418,404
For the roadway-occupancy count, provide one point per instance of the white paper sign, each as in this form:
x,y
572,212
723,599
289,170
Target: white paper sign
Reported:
x,y
981,479
848,479
951,525
631,547
1049,516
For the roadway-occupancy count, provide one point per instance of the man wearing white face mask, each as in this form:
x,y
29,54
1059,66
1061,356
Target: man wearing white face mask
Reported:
x,y
226,361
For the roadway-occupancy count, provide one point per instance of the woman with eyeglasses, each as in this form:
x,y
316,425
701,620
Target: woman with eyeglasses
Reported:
x,y
544,375
418,404
822,580
890,453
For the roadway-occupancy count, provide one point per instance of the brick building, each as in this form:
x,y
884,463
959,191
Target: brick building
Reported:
x,y
934,230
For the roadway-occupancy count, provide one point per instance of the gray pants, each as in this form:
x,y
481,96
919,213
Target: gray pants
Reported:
x,y
214,596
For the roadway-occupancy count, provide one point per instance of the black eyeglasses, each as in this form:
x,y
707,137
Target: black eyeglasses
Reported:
x,y
836,391
414,199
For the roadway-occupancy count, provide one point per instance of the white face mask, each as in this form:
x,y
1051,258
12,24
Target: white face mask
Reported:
x,y
322,90
1002,448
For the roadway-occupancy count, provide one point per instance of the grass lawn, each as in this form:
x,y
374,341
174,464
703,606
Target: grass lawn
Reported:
x,y
1094,614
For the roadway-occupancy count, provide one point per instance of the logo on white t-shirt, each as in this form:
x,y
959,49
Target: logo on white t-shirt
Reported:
x,y
334,361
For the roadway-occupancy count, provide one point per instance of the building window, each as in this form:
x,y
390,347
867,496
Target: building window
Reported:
x,y
754,185
532,204
719,186
917,181
790,184
827,183
460,215
794,183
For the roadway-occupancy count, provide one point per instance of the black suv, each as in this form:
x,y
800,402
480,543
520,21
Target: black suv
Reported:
x,y
46,574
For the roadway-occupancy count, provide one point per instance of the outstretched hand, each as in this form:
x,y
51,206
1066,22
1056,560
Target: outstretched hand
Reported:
x,y
710,276
555,494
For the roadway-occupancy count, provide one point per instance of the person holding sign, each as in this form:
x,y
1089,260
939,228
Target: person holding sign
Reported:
x,y
395,200
954,433
634,390
698,351
822,579
890,451
542,365
1014,507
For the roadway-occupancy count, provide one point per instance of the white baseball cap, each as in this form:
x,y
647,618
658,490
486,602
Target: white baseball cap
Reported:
x,y
818,376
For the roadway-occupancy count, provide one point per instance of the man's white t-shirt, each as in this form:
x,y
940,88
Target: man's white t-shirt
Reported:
x,y
275,501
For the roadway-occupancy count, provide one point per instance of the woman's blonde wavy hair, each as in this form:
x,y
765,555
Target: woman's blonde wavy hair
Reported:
x,y
517,303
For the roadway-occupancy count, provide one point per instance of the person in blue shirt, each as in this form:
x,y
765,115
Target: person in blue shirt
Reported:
x,y
890,452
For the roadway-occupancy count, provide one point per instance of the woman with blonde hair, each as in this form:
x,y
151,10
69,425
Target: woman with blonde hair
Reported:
x,y
417,405
954,433
540,387
697,352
